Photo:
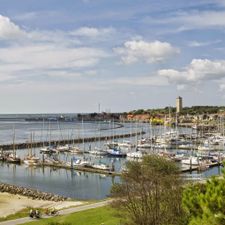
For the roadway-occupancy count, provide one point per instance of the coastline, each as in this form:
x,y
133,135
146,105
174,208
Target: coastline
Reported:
x,y
13,203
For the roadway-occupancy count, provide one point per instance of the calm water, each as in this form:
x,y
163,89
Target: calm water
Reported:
x,y
74,184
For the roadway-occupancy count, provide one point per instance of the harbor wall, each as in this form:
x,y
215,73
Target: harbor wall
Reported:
x,y
68,141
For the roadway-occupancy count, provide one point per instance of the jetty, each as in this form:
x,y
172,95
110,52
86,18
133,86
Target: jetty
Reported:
x,y
81,168
69,141
198,168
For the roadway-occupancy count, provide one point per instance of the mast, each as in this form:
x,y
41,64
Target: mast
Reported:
x,y
14,136
83,134
42,133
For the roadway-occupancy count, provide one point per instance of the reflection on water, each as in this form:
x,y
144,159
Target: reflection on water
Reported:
x,y
69,183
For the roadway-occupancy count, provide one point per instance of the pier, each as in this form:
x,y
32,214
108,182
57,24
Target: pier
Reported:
x,y
82,169
62,165
198,168
68,141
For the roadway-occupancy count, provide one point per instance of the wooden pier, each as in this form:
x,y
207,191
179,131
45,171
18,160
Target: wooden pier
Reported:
x,y
82,168
198,168
114,173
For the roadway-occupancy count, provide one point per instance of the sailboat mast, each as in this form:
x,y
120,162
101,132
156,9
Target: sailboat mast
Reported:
x,y
14,136
83,134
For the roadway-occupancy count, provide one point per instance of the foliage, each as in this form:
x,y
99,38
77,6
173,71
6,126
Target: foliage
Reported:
x,y
193,110
205,203
150,192
157,121
98,216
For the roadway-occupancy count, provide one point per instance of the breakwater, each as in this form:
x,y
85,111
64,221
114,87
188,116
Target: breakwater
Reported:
x,y
31,193
68,141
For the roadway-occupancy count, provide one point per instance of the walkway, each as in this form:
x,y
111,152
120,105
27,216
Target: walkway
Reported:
x,y
61,212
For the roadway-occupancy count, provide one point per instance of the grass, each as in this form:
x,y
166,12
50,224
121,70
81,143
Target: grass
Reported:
x,y
98,216
20,214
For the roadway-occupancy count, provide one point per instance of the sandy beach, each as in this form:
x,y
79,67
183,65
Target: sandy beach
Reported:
x,y
10,204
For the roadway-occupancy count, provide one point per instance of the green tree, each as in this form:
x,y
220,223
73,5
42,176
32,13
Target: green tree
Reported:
x,y
205,203
150,192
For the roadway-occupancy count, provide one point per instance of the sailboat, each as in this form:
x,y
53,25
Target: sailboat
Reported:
x,y
31,159
13,158
47,149
98,150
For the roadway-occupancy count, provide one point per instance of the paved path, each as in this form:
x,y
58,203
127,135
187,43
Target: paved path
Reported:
x,y
61,212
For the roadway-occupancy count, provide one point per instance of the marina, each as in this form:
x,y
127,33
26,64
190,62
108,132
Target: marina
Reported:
x,y
88,157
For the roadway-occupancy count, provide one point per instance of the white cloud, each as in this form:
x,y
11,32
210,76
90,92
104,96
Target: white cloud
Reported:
x,y
8,30
150,52
198,70
27,59
44,52
92,32
202,44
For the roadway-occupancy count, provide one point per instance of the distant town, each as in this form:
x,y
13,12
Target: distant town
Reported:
x,y
206,116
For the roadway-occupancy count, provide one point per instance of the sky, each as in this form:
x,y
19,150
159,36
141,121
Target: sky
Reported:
x,y
74,55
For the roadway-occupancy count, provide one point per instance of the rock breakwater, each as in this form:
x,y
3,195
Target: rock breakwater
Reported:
x,y
31,193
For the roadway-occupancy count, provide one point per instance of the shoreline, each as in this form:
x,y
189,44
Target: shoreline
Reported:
x,y
33,194
13,203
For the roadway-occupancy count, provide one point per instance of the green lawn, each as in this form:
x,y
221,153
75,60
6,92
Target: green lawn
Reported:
x,y
98,216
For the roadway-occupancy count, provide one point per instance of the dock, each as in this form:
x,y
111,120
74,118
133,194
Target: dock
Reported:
x,y
198,168
82,169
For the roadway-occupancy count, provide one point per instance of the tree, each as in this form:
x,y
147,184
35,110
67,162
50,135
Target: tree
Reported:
x,y
150,192
205,203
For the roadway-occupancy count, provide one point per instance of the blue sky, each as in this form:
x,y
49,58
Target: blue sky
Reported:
x,y
69,56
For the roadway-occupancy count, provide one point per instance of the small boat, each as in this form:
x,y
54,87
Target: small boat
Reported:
x,y
125,144
98,151
112,144
32,161
135,155
75,150
47,150
101,166
80,162
63,148
116,153
12,158
194,161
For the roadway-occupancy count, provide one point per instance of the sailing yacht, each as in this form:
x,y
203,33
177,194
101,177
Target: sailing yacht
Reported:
x,y
13,158
31,159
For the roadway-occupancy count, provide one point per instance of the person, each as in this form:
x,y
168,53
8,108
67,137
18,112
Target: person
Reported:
x,y
31,214
37,214
53,211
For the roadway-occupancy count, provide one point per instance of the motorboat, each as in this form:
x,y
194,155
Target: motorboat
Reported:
x,y
135,155
192,160
98,151
116,152
12,158
47,150
63,148
32,160
101,166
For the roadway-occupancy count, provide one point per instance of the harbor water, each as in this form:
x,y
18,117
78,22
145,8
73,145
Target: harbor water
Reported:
x,y
69,183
